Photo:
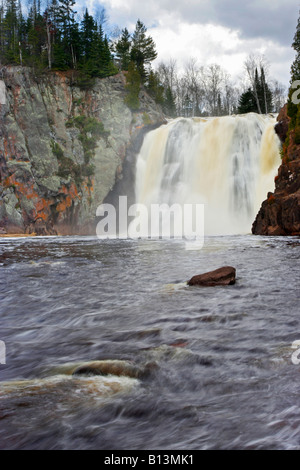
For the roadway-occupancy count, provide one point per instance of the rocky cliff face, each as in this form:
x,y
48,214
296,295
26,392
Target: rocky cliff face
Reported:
x,y
62,149
280,212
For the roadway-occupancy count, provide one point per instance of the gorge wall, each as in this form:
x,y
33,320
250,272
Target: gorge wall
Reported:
x,y
62,148
280,212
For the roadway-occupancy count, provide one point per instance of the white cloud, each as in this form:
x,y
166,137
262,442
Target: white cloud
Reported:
x,y
220,31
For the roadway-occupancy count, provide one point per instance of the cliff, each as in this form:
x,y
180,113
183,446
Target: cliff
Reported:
x,y
62,148
280,212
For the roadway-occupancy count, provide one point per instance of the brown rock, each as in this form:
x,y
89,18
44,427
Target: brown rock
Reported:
x,y
280,212
219,277
281,128
109,367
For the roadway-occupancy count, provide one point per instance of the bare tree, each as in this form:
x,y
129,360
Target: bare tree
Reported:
x,y
213,80
251,65
279,95
230,95
167,72
194,79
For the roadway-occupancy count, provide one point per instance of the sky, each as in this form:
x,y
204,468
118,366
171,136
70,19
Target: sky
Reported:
x,y
212,31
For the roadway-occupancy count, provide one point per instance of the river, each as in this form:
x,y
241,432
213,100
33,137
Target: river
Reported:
x,y
219,359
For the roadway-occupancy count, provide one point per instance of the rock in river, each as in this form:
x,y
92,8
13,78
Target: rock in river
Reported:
x,y
219,277
109,367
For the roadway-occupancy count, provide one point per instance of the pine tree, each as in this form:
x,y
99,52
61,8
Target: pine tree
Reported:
x,y
88,32
265,94
133,83
169,103
155,88
257,99
293,109
247,102
295,70
69,34
122,49
11,31
143,49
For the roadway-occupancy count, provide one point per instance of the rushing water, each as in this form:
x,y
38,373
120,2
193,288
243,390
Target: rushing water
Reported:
x,y
220,375
226,163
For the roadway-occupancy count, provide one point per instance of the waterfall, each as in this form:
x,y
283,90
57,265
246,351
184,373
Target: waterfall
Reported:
x,y
226,163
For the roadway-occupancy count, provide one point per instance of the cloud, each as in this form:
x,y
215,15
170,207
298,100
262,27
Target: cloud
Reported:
x,y
211,43
221,31
272,19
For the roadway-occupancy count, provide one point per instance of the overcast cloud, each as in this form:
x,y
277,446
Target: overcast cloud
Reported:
x,y
220,31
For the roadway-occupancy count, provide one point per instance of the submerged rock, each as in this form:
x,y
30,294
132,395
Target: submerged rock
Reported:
x,y
109,367
219,277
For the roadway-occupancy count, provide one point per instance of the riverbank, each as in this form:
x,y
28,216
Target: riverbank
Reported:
x,y
17,235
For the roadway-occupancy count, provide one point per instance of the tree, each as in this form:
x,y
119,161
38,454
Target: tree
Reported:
x,y
265,94
11,30
279,95
193,81
122,49
143,49
295,69
247,102
251,64
88,31
258,97
69,35
155,88
169,104
133,83
214,78
293,108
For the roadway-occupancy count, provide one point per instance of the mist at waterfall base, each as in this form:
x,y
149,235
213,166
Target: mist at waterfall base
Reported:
x,y
227,164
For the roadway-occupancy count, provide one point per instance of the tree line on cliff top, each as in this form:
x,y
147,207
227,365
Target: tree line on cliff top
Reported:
x,y
293,107
57,38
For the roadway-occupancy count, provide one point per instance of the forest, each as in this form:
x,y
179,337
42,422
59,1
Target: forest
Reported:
x,y
53,36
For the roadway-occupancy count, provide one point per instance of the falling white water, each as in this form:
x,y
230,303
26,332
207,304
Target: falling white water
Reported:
x,y
226,163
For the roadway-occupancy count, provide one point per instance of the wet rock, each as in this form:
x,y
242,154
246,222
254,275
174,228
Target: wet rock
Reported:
x,y
219,277
109,367
282,126
43,173
280,212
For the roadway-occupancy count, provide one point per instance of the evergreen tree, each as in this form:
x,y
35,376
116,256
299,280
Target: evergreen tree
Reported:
x,y
265,94
143,49
257,99
247,103
293,109
11,31
88,32
295,70
133,83
55,40
68,40
169,103
155,88
99,61
122,49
